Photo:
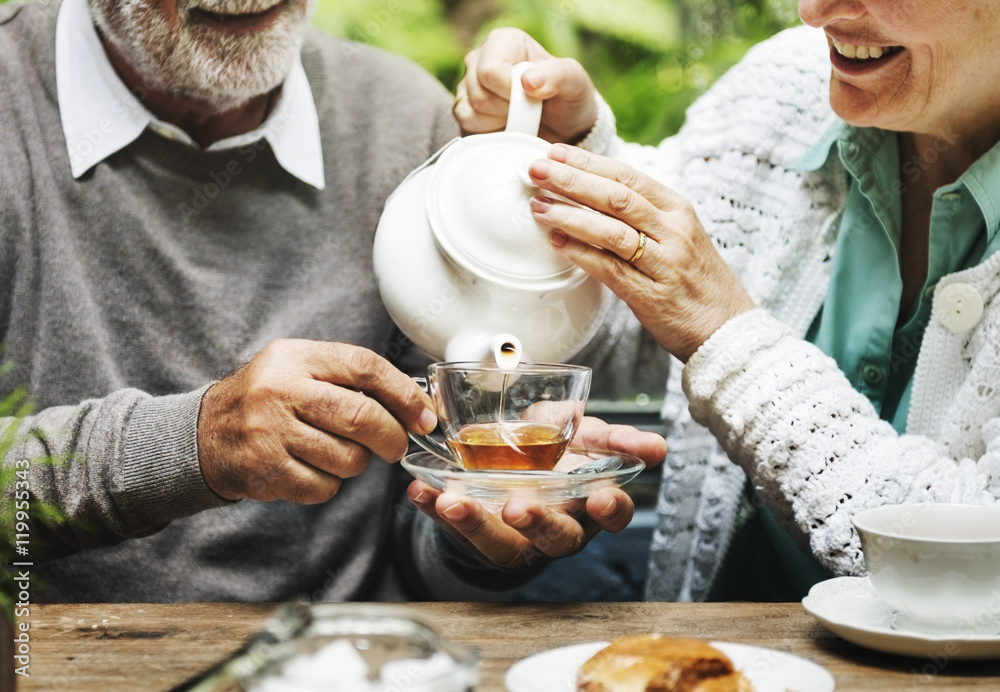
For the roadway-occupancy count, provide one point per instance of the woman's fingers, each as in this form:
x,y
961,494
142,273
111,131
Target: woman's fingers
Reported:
x,y
492,62
478,109
623,280
482,98
573,180
679,286
483,95
606,232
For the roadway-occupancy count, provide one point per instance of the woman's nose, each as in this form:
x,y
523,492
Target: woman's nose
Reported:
x,y
819,13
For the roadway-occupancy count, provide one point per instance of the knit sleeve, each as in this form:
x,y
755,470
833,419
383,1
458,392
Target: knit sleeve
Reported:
x,y
814,447
110,468
602,135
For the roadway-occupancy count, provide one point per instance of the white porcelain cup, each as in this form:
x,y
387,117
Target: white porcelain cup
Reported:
x,y
936,564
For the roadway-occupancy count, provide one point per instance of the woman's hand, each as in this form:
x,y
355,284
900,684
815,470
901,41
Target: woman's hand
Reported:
x,y
678,286
483,95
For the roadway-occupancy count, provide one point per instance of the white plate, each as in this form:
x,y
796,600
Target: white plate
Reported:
x,y
548,487
767,669
849,608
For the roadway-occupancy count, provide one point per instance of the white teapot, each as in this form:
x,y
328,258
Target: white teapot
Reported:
x,y
462,266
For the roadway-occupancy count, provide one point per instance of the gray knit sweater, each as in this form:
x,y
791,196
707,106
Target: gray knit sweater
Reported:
x,y
118,307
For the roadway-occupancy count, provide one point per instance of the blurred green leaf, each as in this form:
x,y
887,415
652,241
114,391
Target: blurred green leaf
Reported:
x,y
653,24
417,29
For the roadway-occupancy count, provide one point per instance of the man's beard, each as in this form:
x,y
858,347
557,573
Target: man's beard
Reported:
x,y
217,69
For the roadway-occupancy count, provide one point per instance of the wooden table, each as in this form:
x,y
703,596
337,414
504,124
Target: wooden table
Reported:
x,y
132,647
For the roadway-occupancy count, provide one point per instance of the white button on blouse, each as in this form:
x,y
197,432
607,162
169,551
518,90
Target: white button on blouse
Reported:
x,y
958,307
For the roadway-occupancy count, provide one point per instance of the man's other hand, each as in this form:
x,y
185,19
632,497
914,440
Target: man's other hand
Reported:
x,y
303,415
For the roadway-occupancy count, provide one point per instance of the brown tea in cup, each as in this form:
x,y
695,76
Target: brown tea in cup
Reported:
x,y
516,418
513,445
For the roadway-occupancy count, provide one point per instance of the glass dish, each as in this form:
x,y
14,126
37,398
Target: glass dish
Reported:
x,y
364,648
567,482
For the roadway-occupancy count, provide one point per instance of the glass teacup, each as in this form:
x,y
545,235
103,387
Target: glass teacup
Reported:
x,y
521,418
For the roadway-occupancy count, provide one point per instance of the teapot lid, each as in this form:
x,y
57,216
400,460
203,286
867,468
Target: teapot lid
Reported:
x,y
478,204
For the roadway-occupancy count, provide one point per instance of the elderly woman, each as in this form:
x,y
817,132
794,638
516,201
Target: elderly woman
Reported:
x,y
829,278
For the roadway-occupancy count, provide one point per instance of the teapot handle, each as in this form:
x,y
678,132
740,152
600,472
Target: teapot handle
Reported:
x,y
525,114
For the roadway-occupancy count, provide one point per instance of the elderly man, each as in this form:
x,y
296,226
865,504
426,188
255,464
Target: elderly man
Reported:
x,y
190,186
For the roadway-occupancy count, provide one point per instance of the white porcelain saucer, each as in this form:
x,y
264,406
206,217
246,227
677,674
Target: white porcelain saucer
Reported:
x,y
849,608
768,670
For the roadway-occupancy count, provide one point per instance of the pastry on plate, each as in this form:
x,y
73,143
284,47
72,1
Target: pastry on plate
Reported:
x,y
659,663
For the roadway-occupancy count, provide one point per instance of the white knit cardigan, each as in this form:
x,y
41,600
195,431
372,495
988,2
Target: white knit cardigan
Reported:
x,y
759,395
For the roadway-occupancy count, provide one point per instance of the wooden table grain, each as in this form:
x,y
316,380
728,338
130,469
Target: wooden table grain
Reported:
x,y
130,647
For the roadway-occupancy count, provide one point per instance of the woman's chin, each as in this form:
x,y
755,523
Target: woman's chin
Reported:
x,y
855,106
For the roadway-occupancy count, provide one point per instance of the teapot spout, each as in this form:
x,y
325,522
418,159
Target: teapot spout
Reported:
x,y
504,350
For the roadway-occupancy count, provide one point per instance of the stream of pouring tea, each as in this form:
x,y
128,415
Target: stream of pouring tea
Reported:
x,y
507,356
516,444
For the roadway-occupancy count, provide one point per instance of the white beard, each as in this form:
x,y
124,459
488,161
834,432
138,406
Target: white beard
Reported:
x,y
191,62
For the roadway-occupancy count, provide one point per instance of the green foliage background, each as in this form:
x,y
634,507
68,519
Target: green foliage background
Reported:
x,y
649,58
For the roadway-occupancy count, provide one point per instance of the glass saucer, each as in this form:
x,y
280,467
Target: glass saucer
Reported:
x,y
610,470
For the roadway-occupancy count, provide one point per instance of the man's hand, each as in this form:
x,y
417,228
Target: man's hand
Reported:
x,y
301,416
483,95
525,532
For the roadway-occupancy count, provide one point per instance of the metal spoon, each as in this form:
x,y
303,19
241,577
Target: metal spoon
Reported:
x,y
602,465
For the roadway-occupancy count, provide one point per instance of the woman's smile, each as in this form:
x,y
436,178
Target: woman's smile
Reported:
x,y
858,59
922,67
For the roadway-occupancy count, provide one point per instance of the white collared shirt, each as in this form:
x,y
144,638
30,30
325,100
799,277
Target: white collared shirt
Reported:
x,y
101,116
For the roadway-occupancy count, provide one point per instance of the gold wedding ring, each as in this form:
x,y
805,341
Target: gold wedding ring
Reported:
x,y
639,250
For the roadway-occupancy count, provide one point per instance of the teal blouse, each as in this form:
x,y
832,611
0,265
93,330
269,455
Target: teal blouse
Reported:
x,y
857,324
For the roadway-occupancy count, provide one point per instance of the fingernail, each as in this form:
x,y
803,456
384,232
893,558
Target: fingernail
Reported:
x,y
422,498
559,152
522,522
610,508
558,239
540,205
540,169
455,512
532,78
428,421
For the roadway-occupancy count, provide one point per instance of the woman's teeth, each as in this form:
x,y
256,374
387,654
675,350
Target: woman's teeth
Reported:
x,y
850,50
